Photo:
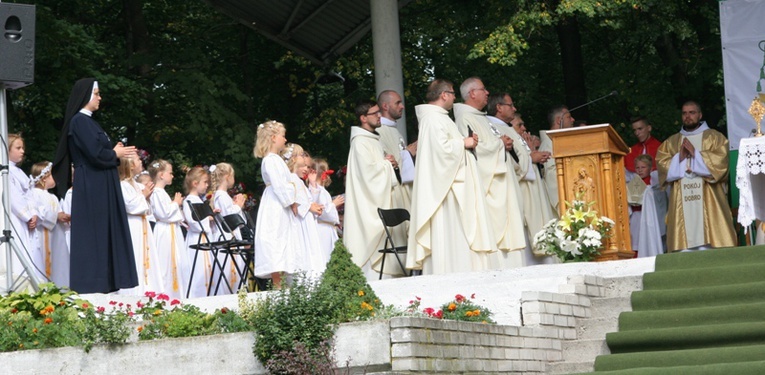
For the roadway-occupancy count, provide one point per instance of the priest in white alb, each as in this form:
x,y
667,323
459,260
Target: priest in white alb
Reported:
x,y
392,109
537,209
496,173
558,118
368,185
449,230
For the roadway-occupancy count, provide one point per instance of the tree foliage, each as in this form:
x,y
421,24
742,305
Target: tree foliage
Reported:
x,y
190,85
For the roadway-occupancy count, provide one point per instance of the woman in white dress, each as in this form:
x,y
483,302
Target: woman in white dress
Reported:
x,y
196,183
24,218
53,249
222,178
168,237
318,180
136,198
311,258
276,232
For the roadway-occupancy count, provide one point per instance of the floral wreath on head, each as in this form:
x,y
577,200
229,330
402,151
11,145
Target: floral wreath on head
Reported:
x,y
34,180
290,149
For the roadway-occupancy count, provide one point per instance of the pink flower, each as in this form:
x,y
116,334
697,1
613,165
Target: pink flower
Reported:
x,y
418,298
429,311
139,304
130,313
174,302
112,303
120,304
150,294
101,309
459,298
163,297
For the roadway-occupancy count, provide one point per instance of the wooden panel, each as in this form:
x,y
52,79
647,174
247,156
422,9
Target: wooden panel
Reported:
x,y
590,161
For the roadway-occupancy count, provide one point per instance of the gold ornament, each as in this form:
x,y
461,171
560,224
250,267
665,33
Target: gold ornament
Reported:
x,y
757,110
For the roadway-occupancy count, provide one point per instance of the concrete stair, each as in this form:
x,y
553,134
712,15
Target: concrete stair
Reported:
x,y
579,354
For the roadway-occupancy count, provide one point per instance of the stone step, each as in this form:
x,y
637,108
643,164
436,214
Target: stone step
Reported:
x,y
570,367
576,350
595,329
622,286
609,307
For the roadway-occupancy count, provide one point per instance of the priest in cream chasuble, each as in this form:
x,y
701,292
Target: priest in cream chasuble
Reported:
x,y
449,228
368,185
496,170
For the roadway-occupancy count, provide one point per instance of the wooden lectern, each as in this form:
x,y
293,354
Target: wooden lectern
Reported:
x,y
590,161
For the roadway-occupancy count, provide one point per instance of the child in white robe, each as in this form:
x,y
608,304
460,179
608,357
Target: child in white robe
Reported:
x,y
168,237
53,249
222,178
136,197
196,183
24,216
311,258
276,231
318,181
648,206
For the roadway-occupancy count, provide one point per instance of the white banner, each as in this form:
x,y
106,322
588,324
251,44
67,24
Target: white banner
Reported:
x,y
742,32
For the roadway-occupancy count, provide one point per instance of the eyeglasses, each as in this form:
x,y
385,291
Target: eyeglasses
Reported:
x,y
480,89
451,92
374,113
511,105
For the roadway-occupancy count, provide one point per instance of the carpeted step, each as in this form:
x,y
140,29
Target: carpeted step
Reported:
x,y
655,319
690,337
699,297
711,258
701,277
739,368
688,357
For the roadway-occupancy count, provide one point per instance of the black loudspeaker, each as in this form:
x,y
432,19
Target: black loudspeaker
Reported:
x,y
17,45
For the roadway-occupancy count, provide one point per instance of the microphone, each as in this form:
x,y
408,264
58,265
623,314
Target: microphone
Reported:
x,y
612,93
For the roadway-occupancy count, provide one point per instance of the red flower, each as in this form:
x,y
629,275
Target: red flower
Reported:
x,y
14,310
112,303
139,304
163,297
223,310
150,294
418,298
472,296
48,321
85,305
429,311
459,298
120,304
101,309
174,302
439,314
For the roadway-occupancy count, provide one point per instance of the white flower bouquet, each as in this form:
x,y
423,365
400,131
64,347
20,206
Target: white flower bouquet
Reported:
x,y
577,237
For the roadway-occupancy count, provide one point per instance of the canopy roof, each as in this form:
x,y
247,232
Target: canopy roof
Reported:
x,y
319,30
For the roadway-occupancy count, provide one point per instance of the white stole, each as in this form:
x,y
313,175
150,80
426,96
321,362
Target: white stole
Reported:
x,y
693,200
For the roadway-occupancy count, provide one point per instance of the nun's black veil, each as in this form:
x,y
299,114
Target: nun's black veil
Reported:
x,y
62,170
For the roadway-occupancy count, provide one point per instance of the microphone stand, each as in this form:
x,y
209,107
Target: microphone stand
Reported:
x,y
612,93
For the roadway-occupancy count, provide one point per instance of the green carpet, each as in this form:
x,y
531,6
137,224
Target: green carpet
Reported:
x,y
699,313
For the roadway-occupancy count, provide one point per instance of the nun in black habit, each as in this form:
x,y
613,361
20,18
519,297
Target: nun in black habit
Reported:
x,y
101,259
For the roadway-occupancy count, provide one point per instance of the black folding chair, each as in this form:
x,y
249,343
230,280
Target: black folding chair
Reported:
x,y
243,248
391,218
199,212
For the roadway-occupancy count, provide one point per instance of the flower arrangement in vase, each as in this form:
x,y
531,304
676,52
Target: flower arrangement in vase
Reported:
x,y
577,236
